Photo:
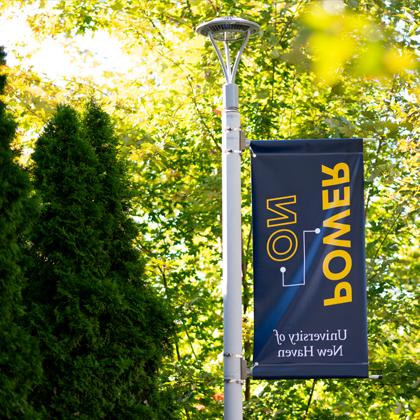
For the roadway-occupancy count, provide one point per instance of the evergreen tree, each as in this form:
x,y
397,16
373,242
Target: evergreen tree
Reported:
x,y
103,332
118,230
118,233
20,367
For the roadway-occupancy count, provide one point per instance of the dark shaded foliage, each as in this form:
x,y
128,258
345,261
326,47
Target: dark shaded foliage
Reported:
x,y
103,331
20,367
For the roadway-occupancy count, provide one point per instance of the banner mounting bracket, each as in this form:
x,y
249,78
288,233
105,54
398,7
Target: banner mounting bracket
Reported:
x,y
243,141
245,370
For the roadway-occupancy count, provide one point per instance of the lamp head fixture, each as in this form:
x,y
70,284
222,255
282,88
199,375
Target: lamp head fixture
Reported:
x,y
228,29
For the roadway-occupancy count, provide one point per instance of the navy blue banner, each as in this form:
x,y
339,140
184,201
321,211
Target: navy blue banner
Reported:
x,y
309,263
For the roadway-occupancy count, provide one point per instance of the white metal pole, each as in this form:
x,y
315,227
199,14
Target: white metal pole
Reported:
x,y
232,254
230,29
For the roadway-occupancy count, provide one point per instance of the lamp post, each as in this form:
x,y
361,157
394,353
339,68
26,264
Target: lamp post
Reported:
x,y
228,30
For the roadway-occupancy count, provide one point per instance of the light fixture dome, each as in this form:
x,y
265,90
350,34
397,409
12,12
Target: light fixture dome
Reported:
x,y
228,29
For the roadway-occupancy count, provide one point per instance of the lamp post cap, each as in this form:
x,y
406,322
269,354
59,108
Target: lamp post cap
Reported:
x,y
228,28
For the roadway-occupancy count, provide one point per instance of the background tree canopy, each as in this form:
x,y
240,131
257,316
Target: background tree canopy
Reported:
x,y
318,70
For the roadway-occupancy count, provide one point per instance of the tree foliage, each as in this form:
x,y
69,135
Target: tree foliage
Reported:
x,y
20,367
103,332
313,72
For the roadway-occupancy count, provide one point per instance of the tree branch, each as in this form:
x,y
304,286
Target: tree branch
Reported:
x,y
310,399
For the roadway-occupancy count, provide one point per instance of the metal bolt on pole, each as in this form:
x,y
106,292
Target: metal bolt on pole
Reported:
x,y
228,30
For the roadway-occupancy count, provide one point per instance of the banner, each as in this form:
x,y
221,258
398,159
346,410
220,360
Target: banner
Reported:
x,y
309,264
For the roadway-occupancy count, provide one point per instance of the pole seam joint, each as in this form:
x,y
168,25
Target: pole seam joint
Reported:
x,y
233,381
237,355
